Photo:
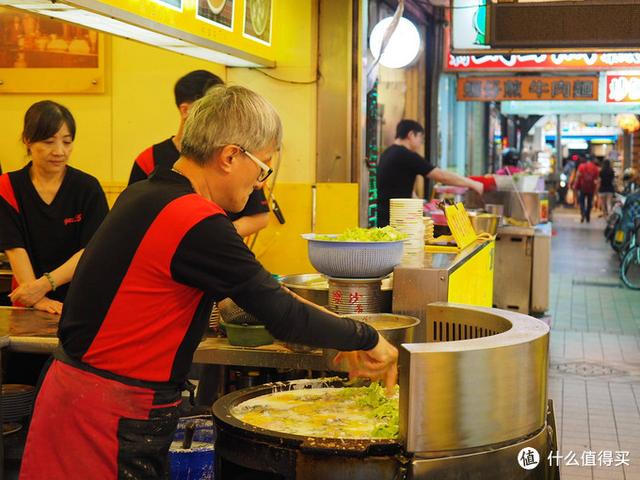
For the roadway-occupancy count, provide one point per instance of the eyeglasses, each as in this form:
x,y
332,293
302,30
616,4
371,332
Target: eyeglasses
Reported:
x,y
265,170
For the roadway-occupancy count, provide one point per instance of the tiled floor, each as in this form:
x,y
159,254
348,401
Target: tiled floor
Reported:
x,y
594,376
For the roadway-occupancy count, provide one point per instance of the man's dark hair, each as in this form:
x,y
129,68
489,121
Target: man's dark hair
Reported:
x,y
44,119
510,157
406,126
194,85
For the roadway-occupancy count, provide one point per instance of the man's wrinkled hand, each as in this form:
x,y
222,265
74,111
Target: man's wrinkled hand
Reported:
x,y
379,363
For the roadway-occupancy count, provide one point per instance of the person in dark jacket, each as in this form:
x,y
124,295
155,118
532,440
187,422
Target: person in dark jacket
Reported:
x,y
607,189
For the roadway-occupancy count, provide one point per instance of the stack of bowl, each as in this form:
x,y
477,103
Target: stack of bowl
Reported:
x,y
429,229
406,217
17,402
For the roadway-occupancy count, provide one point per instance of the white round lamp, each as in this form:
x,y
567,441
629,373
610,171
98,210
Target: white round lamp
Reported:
x,y
403,46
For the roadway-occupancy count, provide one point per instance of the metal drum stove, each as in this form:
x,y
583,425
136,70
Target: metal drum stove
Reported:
x,y
473,400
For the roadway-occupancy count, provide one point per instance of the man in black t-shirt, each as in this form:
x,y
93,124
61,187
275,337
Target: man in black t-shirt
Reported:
x,y
400,164
187,90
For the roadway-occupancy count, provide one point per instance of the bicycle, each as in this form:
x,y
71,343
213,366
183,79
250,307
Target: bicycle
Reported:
x,y
630,266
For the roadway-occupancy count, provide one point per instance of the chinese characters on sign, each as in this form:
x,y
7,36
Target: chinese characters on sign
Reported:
x,y
542,61
623,88
486,89
590,458
352,300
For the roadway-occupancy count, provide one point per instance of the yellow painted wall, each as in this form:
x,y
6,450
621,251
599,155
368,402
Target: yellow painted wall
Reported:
x,y
280,248
136,110
296,102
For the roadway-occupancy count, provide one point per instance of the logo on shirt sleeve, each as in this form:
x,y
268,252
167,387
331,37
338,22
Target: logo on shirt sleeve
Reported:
x,y
77,218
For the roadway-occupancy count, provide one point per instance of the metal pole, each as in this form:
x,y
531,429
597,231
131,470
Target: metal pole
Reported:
x,y
558,165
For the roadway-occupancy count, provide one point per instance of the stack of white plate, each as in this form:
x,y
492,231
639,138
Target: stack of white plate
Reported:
x,y
406,216
428,230
17,402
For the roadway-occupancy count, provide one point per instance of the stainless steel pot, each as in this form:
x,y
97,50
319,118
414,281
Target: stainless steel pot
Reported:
x,y
245,451
397,329
485,222
311,286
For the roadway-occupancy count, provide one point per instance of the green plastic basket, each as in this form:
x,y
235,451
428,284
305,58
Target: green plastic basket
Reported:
x,y
247,335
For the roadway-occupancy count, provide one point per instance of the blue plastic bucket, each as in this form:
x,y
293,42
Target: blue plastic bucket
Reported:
x,y
197,462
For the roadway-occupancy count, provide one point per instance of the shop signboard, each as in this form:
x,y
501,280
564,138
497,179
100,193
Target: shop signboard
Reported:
x,y
483,58
469,25
209,24
543,61
490,89
623,88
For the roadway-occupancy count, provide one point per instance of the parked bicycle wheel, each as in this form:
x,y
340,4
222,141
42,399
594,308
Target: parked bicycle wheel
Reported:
x,y
622,251
630,268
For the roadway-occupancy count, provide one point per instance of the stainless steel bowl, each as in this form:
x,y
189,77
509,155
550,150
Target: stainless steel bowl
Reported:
x,y
310,286
397,329
485,222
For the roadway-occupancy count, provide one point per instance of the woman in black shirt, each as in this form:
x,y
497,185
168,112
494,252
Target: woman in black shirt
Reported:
x,y
48,210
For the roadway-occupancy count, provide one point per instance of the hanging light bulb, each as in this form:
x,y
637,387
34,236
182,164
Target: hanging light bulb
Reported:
x,y
628,122
403,46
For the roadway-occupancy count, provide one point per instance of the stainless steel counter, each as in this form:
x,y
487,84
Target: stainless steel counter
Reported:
x,y
218,351
523,256
463,277
28,330
451,261
31,331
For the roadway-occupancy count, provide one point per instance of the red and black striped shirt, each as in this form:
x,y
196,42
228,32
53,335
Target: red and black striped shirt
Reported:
x,y
165,154
141,295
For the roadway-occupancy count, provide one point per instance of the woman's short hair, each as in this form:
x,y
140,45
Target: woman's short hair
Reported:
x,y
230,115
44,119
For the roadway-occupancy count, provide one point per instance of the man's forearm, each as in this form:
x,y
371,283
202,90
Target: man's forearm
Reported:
x,y
251,224
450,178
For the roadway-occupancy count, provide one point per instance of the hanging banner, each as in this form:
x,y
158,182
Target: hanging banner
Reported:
x,y
490,89
623,88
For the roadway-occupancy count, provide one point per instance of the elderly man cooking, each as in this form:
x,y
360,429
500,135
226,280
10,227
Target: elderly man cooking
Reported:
x,y
138,304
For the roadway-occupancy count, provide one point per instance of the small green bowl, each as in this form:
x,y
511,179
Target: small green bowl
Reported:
x,y
247,335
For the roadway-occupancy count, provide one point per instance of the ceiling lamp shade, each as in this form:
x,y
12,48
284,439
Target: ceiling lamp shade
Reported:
x,y
403,45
